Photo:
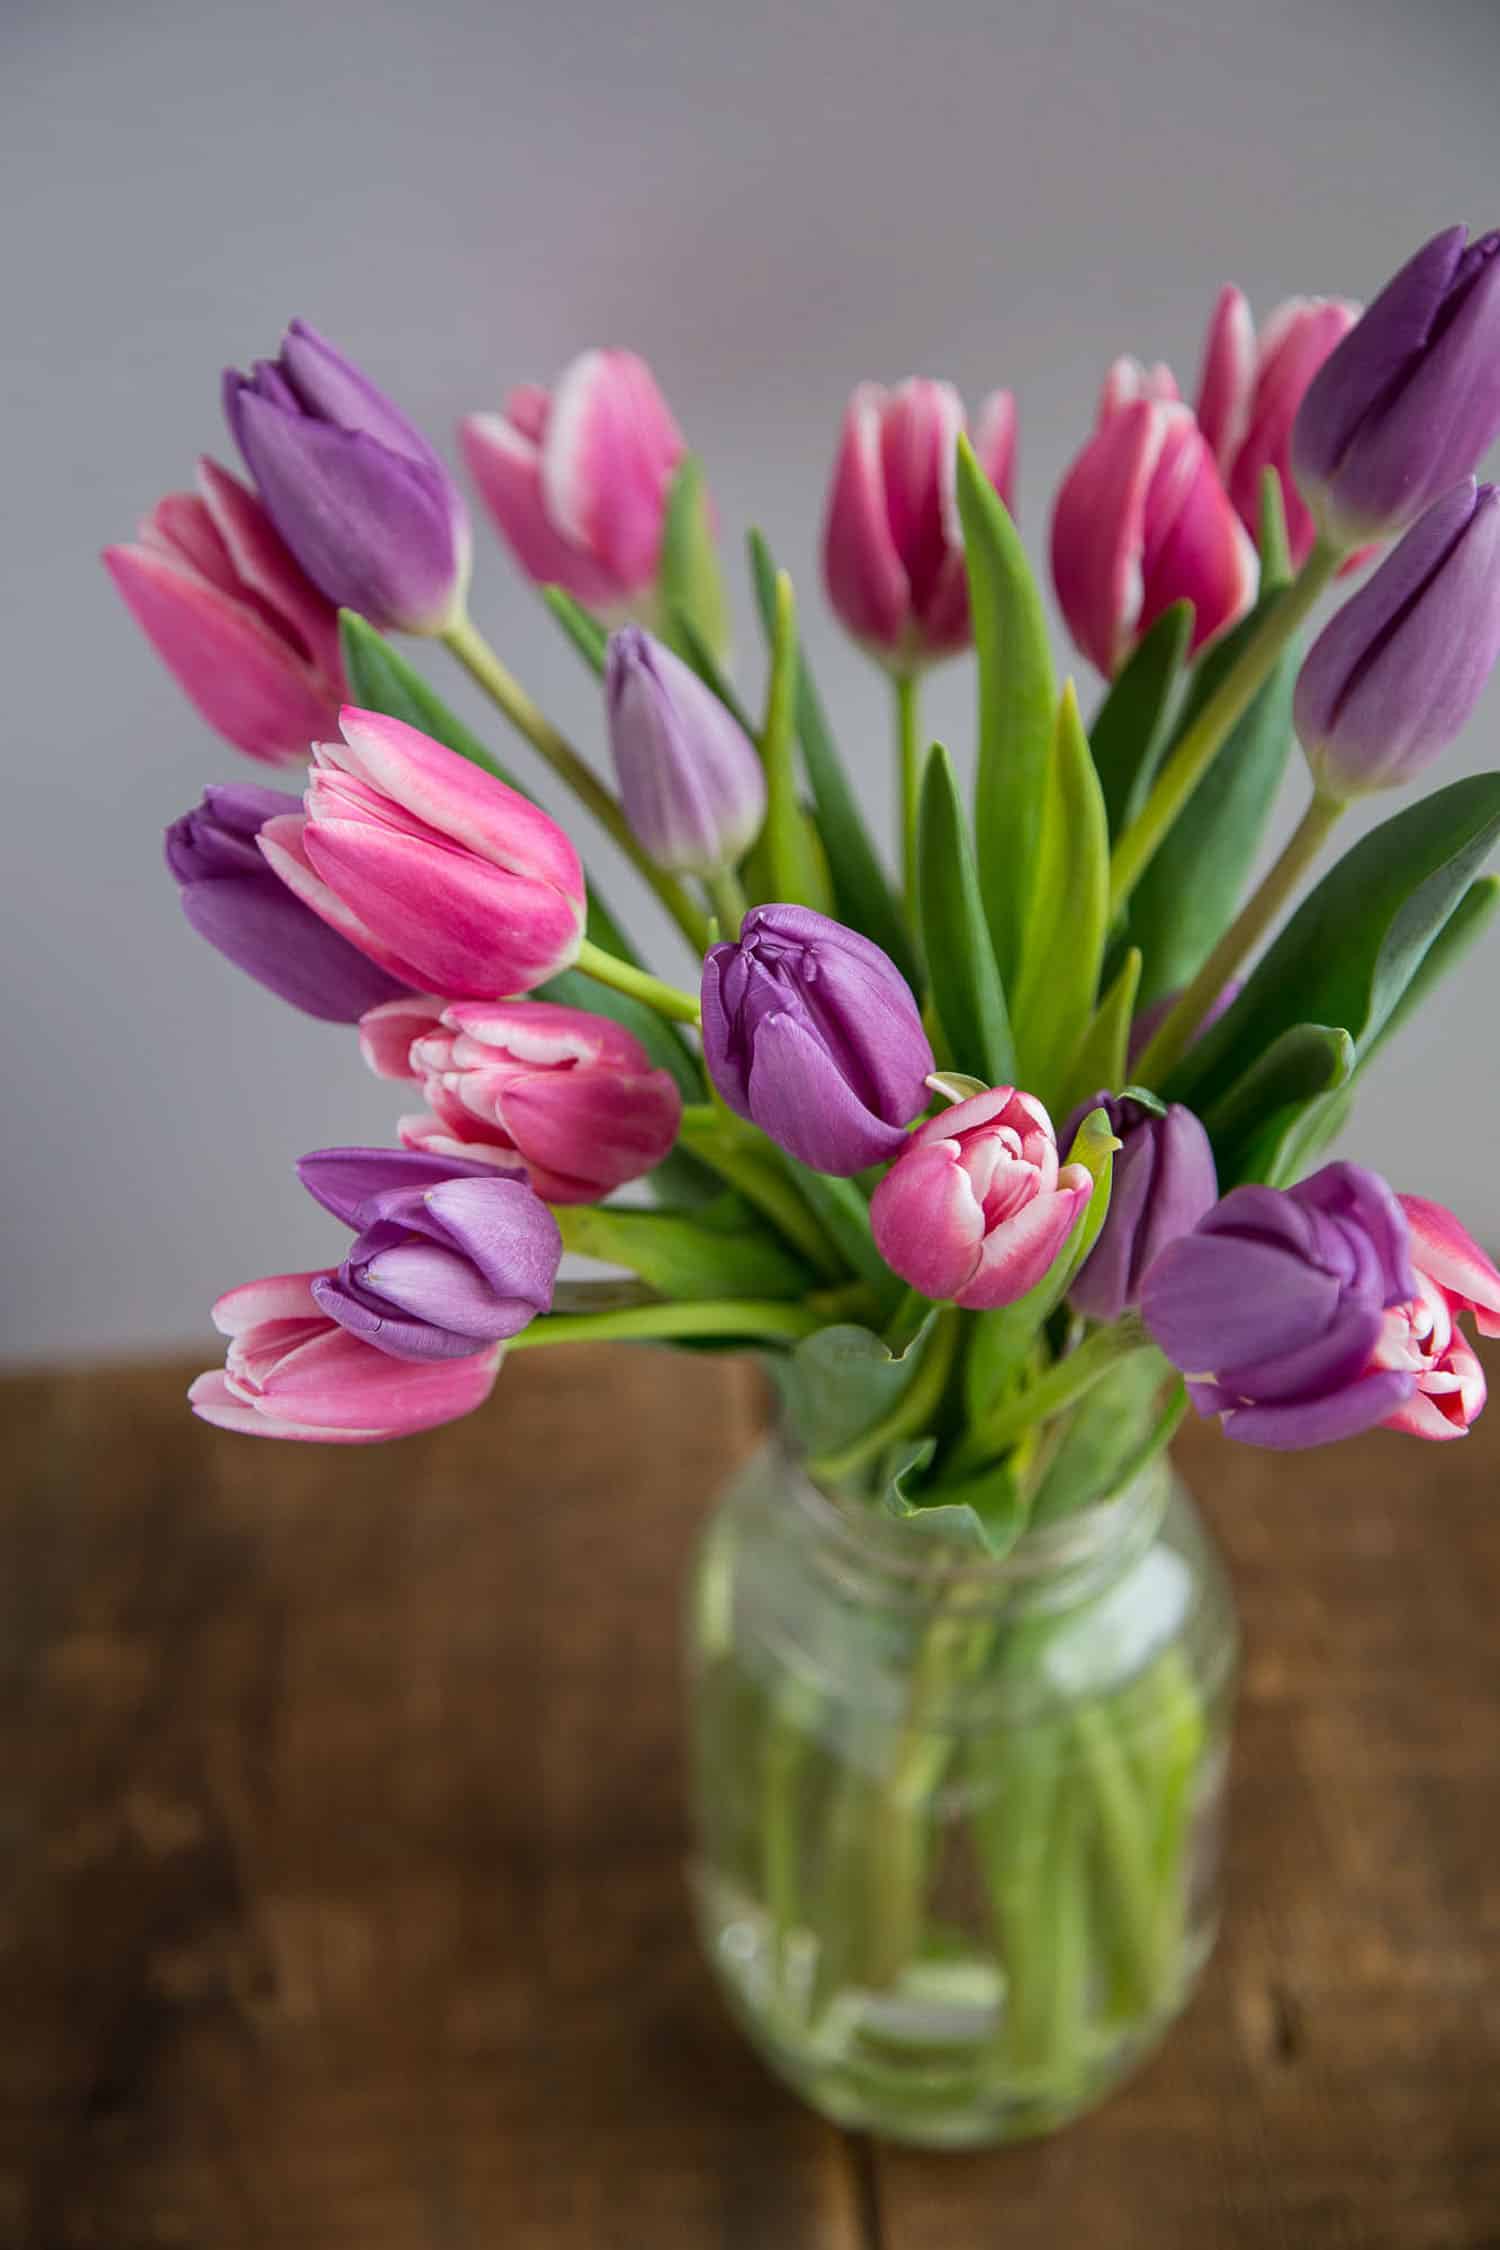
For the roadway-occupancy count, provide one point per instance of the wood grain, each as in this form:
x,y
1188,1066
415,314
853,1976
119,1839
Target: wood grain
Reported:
x,y
341,1839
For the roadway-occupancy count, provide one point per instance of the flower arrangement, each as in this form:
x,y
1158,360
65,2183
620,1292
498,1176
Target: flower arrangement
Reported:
x,y
1004,1161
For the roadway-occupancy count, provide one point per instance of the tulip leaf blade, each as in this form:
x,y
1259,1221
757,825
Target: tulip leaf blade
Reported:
x,y
964,980
582,627
1017,700
1130,727
845,1218
861,888
1104,1051
1358,940
985,1511
1271,539
844,1381
786,846
1108,1438
1055,998
689,579
1251,1125
720,1251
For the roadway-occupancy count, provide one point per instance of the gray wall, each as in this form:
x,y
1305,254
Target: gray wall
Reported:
x,y
770,201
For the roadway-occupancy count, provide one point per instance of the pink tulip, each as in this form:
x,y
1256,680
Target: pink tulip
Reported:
x,y
291,1372
572,1095
249,639
893,557
577,478
1249,390
436,870
1422,1337
975,1209
1142,520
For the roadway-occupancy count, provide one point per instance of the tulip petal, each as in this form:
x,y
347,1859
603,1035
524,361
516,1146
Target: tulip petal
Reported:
x,y
1322,1421
607,457
586,1132
266,564
1098,532
1017,1254
1443,1247
867,583
505,464
820,1119
1227,377
344,1179
1213,1301
927,1222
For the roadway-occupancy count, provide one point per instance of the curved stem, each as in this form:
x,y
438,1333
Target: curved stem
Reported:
x,y
1059,1387
473,651
708,1316
728,895
607,968
1255,917
1221,713
912,760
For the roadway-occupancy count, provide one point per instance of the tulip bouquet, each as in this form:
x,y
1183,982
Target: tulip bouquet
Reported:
x,y
1004,1160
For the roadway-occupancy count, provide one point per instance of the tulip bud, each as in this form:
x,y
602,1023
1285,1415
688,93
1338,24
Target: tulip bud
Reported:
x,y
449,1256
357,493
569,1097
249,639
446,877
1142,521
232,898
1391,680
1410,400
1423,1338
291,1372
693,788
577,479
976,1208
1274,1305
893,557
1249,391
811,1033
1162,1183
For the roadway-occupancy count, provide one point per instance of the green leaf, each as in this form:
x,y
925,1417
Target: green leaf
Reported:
x,y
720,1251
1017,700
1104,1438
1351,949
845,1218
1251,1124
1275,549
792,867
985,1512
689,581
1069,913
1130,727
861,889
839,1383
381,680
583,629
1189,891
956,1086
965,983
1102,1057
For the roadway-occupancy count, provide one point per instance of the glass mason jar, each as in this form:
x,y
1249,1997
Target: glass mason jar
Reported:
x,y
957,1819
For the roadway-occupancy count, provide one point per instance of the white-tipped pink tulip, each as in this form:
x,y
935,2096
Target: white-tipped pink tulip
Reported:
x,y
248,637
1249,389
440,873
977,1207
577,478
291,1372
1423,1337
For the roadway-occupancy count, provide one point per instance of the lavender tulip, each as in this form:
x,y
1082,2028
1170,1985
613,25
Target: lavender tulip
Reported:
x,y
357,493
1275,1304
811,1032
449,1257
1410,399
693,788
1163,1183
1390,682
233,899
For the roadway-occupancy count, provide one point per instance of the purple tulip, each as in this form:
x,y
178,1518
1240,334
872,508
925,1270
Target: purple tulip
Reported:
x,y
693,788
1390,682
449,1256
811,1032
233,899
1162,1184
1410,399
1275,1304
357,493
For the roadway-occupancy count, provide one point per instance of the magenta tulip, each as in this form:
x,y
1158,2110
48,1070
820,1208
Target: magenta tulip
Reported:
x,y
577,478
893,558
247,636
977,1207
444,876
1249,390
1423,1338
291,1372
572,1096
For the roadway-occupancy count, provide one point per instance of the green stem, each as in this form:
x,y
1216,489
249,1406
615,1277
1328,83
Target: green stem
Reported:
x,y
473,651
1061,1386
1249,926
906,1320
728,895
762,1183
1221,713
910,1412
912,761
607,968
726,1316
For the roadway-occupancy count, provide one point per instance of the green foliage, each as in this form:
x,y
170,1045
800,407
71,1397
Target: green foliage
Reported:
x,y
1102,1057
581,626
1066,925
721,1251
1252,1124
689,580
792,866
1131,725
965,983
842,1382
984,1512
1101,1444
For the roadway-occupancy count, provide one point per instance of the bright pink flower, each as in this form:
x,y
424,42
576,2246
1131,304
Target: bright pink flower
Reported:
x,y
1142,520
291,1372
1249,390
577,478
893,557
450,880
572,1094
1423,1338
248,638
976,1209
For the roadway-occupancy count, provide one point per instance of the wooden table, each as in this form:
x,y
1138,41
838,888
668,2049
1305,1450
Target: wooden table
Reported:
x,y
341,1903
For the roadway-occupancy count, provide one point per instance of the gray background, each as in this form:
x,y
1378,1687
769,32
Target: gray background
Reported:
x,y
770,202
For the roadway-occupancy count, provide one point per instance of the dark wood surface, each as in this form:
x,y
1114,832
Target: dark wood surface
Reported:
x,y
341,1897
